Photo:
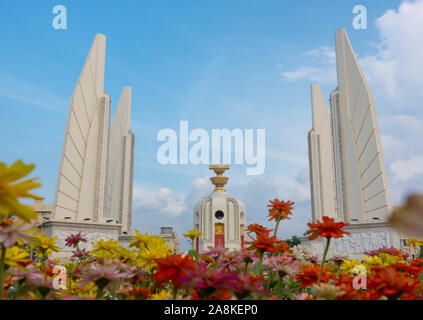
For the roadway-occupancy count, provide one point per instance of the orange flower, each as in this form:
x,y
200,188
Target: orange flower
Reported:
x,y
282,247
263,242
326,229
139,293
257,228
309,274
280,210
391,283
173,268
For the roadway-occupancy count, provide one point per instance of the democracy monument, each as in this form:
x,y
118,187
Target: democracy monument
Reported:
x,y
348,178
94,184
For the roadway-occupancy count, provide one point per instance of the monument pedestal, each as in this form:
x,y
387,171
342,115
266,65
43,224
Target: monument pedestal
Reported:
x,y
364,237
93,232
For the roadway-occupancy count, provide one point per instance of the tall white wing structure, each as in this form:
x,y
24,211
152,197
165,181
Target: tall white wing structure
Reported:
x,y
78,189
360,194
322,176
119,183
364,179
95,174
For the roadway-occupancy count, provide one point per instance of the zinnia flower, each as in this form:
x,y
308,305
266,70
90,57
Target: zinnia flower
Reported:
x,y
11,190
309,274
192,234
206,281
74,239
102,275
13,230
280,210
327,291
16,256
326,229
391,283
257,228
263,243
173,268
46,244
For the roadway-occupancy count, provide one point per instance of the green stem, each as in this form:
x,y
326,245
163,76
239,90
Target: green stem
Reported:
x,y
175,291
277,226
2,258
99,294
323,260
44,266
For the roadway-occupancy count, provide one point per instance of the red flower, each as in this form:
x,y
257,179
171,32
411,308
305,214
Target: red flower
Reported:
x,y
280,210
173,268
308,275
326,229
257,228
139,293
391,283
263,242
282,247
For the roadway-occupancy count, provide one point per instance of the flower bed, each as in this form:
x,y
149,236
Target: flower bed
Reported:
x,y
267,268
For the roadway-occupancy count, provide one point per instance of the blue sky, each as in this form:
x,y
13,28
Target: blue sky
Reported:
x,y
218,64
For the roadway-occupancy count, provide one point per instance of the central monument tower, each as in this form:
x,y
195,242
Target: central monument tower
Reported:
x,y
219,217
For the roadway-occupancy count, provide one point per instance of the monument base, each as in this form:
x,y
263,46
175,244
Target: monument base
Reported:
x,y
364,237
93,232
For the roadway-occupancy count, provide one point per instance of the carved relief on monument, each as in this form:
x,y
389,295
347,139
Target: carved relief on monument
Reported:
x,y
361,242
90,236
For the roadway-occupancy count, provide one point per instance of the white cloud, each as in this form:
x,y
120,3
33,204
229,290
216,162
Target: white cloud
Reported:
x,y
406,169
396,70
327,53
162,201
325,75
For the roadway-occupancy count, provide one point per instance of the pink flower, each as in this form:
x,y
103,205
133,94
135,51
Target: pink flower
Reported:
x,y
80,254
248,284
232,262
215,252
30,272
209,280
284,264
74,239
302,296
12,230
103,275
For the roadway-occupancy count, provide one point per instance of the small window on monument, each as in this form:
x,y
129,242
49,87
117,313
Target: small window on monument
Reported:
x,y
219,214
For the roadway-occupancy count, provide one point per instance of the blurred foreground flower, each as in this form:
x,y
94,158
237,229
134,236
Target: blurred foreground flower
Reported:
x,y
11,190
409,218
12,231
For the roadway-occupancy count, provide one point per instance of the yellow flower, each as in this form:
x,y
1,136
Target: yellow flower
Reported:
x,y
371,262
347,266
126,255
15,255
192,234
413,242
154,248
140,240
87,291
105,249
389,259
11,190
46,244
162,295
